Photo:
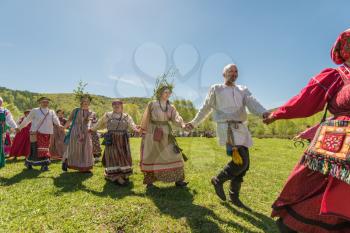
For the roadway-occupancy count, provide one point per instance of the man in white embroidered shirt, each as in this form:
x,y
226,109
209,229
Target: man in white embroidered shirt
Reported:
x,y
43,119
228,103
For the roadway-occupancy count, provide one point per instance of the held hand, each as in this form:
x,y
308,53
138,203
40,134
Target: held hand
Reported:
x,y
268,120
189,126
137,129
66,126
265,115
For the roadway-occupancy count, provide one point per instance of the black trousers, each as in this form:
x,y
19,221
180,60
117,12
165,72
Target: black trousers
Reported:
x,y
233,172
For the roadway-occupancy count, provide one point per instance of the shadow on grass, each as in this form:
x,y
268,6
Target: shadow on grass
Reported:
x,y
71,181
56,161
258,220
114,191
178,203
23,175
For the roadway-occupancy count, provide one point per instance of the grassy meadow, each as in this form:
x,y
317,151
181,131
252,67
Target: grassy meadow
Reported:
x,y
31,201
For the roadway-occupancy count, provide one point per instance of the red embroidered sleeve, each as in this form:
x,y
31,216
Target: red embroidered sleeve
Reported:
x,y
313,97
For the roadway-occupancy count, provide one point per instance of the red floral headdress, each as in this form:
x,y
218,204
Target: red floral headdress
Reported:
x,y
341,49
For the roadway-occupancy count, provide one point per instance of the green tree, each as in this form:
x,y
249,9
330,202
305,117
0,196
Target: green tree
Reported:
x,y
133,111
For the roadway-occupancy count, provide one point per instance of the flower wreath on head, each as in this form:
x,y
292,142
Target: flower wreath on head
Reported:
x,y
162,84
83,96
80,94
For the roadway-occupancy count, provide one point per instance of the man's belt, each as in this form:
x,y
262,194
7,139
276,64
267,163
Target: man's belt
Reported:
x,y
234,124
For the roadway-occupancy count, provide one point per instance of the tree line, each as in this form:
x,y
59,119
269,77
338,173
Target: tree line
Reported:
x,y
19,101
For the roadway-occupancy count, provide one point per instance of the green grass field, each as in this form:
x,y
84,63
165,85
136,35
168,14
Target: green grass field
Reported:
x,y
31,201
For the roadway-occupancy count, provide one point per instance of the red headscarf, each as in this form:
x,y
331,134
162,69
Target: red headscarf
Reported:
x,y
341,49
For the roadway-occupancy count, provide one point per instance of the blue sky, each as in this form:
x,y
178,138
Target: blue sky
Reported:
x,y
118,47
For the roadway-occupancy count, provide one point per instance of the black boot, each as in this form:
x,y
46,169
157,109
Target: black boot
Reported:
x,y
28,165
218,182
44,168
283,228
64,166
181,183
235,188
219,188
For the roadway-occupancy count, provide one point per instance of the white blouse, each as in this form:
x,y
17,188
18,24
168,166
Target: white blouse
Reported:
x,y
36,116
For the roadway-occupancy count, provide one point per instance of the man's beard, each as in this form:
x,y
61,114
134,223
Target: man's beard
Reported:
x,y
229,79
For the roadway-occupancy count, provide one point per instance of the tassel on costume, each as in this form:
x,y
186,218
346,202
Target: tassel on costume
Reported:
x,y
231,149
234,153
236,157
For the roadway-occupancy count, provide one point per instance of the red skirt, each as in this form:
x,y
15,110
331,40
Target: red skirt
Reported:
x,y
21,143
43,143
311,202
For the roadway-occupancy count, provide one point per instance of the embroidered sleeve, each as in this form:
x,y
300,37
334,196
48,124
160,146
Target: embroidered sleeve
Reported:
x,y
10,121
313,97
131,122
101,123
27,119
176,118
146,117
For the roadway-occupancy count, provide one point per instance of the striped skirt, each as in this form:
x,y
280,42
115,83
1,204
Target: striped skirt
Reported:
x,y
78,154
117,157
57,146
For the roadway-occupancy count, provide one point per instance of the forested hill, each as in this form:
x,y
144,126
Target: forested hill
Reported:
x,y
18,101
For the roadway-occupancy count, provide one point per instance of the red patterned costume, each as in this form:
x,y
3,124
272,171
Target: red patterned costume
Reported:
x,y
21,142
312,202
